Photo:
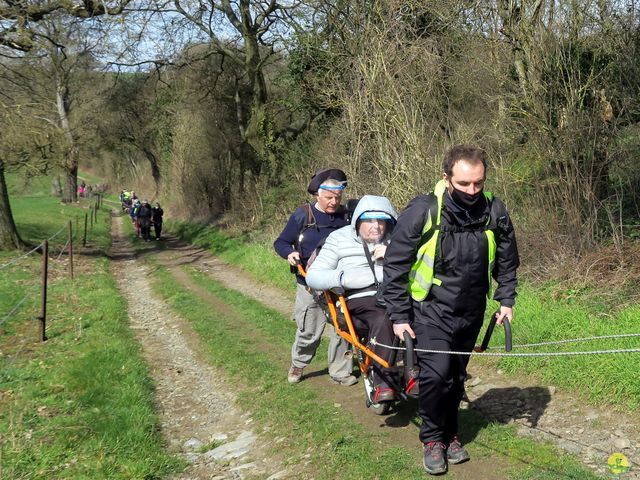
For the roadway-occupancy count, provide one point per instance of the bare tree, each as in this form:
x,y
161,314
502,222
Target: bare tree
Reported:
x,y
247,33
17,34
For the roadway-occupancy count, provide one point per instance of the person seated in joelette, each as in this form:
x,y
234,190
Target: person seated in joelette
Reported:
x,y
351,262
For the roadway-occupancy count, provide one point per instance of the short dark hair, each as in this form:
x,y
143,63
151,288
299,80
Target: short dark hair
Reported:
x,y
471,154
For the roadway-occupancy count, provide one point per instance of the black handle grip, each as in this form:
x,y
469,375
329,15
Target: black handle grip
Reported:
x,y
394,353
489,332
408,343
508,343
507,333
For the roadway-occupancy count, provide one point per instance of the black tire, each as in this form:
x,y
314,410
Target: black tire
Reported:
x,y
381,408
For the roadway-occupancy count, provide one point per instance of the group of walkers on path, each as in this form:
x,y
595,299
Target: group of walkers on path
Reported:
x,y
426,272
143,215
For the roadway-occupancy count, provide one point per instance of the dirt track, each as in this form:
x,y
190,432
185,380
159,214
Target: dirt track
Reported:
x,y
540,411
196,408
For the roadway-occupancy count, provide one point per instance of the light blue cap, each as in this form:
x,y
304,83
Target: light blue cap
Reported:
x,y
332,187
373,215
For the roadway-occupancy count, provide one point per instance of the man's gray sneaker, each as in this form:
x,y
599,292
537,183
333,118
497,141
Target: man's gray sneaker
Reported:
x,y
456,453
345,381
294,375
434,460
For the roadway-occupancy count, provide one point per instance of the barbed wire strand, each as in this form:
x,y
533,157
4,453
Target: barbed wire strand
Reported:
x,y
19,304
572,340
56,234
507,354
62,251
16,259
13,359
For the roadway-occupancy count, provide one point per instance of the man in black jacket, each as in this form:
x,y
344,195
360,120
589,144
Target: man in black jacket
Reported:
x,y
156,218
144,219
444,250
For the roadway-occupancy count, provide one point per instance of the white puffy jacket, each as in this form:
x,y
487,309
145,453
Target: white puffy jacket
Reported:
x,y
342,261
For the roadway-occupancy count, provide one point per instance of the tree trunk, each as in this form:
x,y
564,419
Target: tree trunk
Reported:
x,y
71,176
9,237
71,162
155,168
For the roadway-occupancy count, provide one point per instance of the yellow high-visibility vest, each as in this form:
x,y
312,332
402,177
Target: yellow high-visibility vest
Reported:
x,y
421,276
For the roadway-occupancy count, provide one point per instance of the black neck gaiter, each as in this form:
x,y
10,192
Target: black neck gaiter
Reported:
x,y
473,205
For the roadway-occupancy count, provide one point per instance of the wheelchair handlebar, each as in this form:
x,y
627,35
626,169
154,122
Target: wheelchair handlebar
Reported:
x,y
487,336
408,343
507,333
394,352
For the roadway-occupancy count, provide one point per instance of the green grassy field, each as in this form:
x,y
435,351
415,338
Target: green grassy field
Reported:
x,y
79,405
542,314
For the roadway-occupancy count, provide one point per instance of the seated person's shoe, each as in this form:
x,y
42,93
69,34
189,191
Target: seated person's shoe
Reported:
x,y
345,381
434,460
456,453
384,393
294,375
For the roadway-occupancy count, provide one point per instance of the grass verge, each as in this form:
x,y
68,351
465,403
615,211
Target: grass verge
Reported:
x,y
340,446
259,260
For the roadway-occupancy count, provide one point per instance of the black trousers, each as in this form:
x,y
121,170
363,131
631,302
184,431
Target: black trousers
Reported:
x,y
442,375
157,226
145,227
371,321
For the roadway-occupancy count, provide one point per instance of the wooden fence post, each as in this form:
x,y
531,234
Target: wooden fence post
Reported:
x,y
43,303
70,250
84,237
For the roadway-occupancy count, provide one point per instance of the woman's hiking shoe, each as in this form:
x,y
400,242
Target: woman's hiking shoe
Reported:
x,y
345,381
456,453
294,375
434,461
384,394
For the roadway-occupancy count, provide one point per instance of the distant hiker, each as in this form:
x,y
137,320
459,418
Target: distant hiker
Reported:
x,y
156,218
81,189
126,201
144,220
133,213
444,250
307,227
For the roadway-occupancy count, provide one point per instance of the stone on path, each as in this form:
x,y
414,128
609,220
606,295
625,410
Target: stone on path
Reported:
x,y
237,448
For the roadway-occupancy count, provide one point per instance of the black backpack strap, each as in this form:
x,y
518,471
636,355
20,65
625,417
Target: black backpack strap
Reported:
x,y
305,221
367,254
310,219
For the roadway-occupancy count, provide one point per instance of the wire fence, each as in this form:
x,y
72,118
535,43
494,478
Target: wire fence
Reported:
x,y
21,257
43,248
34,297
